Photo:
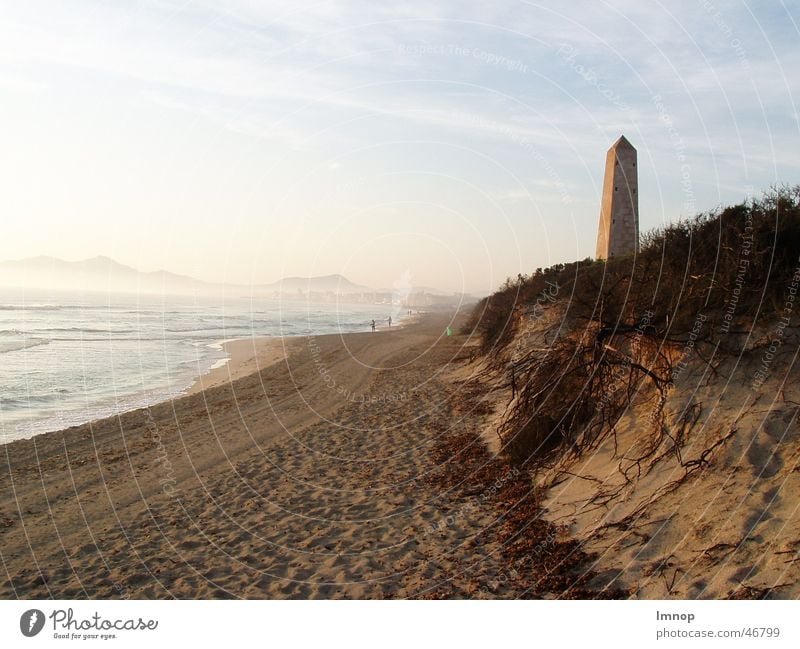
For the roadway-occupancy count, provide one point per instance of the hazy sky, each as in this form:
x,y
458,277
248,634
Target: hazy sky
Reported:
x,y
461,141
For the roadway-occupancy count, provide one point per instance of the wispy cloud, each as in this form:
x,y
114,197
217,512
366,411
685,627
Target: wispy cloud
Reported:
x,y
538,89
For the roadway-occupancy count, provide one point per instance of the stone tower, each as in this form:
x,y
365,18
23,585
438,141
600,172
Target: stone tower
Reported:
x,y
618,233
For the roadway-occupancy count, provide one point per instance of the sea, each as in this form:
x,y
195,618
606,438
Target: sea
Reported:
x,y
67,358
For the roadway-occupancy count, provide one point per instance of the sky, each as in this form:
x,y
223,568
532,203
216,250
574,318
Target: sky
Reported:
x,y
456,142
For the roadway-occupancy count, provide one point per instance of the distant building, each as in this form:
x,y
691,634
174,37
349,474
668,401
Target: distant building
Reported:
x,y
618,233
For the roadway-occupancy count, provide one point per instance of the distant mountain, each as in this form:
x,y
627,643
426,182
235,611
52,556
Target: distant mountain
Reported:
x,y
338,284
97,273
106,274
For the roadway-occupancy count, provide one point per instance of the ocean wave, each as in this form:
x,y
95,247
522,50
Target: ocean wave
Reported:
x,y
88,330
142,339
162,349
25,402
19,345
69,307
244,329
30,307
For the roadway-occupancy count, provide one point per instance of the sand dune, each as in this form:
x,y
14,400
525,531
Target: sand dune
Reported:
x,y
713,514
701,505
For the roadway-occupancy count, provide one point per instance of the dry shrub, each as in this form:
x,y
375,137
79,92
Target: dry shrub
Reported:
x,y
703,279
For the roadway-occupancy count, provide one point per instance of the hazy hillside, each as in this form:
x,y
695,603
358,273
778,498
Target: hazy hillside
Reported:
x,y
106,275
327,283
95,274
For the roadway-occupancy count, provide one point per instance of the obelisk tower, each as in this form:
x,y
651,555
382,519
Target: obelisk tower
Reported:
x,y
618,233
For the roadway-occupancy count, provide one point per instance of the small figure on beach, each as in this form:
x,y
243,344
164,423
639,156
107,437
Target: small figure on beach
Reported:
x,y
390,321
373,325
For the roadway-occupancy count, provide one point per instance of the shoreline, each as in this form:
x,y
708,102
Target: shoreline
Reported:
x,y
279,484
250,355
245,356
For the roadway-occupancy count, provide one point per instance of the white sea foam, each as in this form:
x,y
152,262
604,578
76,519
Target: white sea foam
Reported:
x,y
220,363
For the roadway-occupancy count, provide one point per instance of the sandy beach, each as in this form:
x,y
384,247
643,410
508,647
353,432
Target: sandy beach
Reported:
x,y
366,466
310,477
250,355
245,356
